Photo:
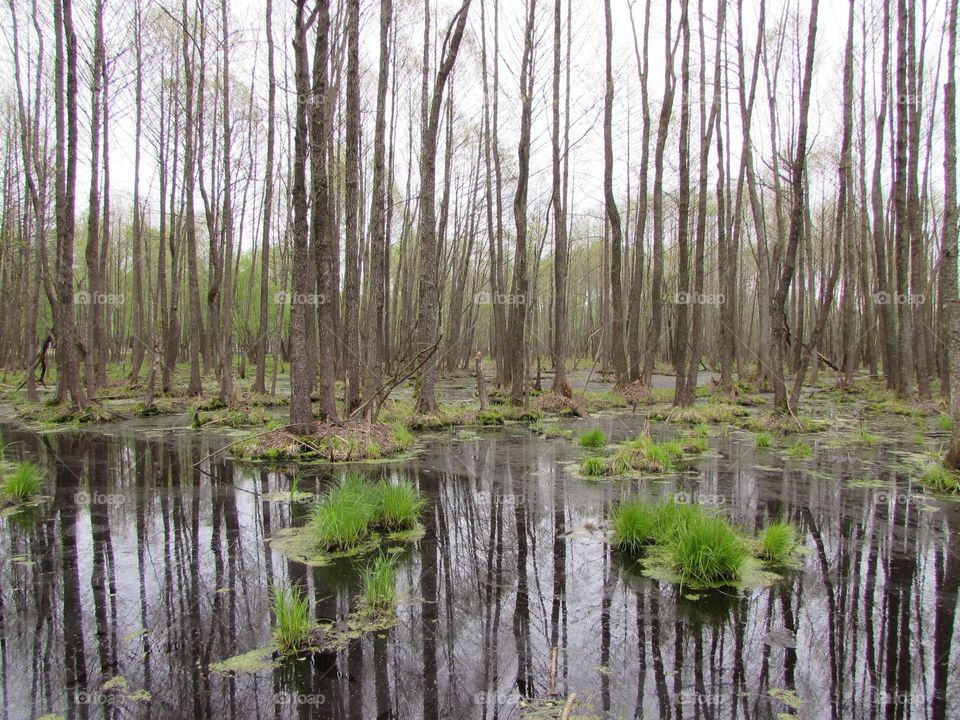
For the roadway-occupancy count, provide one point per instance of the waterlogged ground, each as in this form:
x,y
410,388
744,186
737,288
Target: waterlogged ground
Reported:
x,y
150,563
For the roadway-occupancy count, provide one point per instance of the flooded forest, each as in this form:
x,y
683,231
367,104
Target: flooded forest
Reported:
x,y
494,359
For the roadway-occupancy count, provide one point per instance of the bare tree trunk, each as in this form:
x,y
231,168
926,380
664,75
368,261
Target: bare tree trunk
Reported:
x,y
613,215
301,374
378,237
950,216
428,320
683,216
226,354
561,256
779,299
656,281
263,328
68,376
94,297
351,305
636,288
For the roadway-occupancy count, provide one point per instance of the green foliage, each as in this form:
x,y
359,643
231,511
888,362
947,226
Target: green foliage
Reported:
x,y
343,518
778,542
696,445
291,608
24,483
634,525
403,437
945,423
764,440
593,466
490,417
400,505
644,454
866,438
380,580
800,450
354,508
707,550
701,430
940,479
593,439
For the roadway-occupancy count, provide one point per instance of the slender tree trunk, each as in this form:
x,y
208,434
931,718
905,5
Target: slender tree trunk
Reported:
x,y
351,305
613,215
684,296
949,260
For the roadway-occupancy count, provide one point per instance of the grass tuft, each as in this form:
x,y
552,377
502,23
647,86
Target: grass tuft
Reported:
x,y
400,505
593,466
343,518
940,479
764,440
945,423
778,542
800,450
24,483
379,581
291,608
593,439
708,550
634,525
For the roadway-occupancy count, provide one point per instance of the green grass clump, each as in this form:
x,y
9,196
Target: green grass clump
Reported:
x,y
696,445
867,438
400,505
701,430
945,423
490,417
593,439
778,542
634,525
764,440
343,518
940,479
379,581
354,508
593,466
644,454
707,550
672,519
800,450
403,437
24,483
292,612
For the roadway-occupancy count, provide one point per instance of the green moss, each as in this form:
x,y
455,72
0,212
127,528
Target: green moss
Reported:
x,y
254,661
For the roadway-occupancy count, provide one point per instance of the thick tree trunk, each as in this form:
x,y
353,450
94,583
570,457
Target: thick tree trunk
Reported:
x,y
351,304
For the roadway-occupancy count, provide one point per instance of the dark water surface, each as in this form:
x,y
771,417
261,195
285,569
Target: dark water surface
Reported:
x,y
142,570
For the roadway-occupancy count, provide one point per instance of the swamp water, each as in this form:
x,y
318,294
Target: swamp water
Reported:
x,y
151,563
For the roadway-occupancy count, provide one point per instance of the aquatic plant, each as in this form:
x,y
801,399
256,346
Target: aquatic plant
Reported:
x,y
343,518
644,454
400,505
707,550
778,542
764,440
800,450
291,608
490,417
379,581
593,439
634,525
24,483
593,466
938,478
696,445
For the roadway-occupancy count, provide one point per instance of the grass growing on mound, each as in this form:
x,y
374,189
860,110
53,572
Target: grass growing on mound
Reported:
x,y
354,509
593,439
292,612
764,440
940,479
700,548
708,550
866,438
644,454
945,423
709,413
400,505
379,581
593,466
800,450
23,484
778,542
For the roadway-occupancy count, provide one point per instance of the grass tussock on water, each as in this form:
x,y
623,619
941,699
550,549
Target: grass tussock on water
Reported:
x,y
696,547
351,441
